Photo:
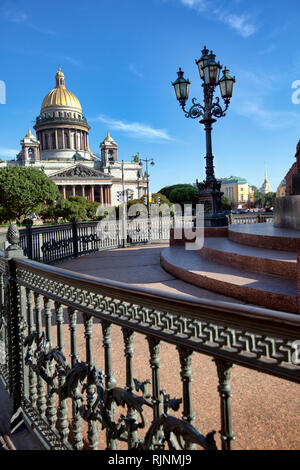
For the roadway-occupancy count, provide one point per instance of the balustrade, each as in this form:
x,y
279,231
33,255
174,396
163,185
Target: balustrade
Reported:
x,y
76,402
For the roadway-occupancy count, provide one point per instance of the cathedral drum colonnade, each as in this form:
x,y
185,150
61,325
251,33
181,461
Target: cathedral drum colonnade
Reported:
x,y
61,149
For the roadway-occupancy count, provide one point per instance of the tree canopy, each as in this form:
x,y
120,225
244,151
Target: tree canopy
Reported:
x,y
186,194
74,208
166,191
226,203
263,200
23,190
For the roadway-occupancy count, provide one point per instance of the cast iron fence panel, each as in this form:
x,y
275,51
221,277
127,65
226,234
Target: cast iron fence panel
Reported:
x,y
61,397
250,218
4,371
66,401
51,244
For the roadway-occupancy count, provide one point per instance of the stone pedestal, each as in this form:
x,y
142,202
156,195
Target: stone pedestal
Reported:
x,y
287,212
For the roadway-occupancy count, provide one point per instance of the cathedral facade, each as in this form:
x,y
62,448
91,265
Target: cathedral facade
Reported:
x,y
61,149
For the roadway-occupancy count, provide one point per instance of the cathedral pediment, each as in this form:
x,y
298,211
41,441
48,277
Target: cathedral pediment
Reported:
x,y
79,171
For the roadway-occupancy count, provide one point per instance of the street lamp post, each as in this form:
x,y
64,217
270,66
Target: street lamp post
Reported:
x,y
210,189
151,161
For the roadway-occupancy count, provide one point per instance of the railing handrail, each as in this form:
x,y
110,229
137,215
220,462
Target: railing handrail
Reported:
x,y
155,298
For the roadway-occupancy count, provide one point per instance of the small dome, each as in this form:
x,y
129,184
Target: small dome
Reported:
x,y
29,135
60,96
108,138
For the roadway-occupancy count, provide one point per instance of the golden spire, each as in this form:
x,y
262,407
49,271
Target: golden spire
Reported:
x,y
29,135
108,137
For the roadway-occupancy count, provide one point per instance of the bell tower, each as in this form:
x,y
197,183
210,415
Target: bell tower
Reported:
x,y
109,151
30,152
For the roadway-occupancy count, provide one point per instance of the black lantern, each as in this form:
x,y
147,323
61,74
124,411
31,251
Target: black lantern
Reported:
x,y
211,70
226,85
209,111
202,61
181,87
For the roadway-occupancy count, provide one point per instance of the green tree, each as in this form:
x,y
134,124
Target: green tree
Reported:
x,y
162,199
269,200
186,194
90,206
23,190
168,189
226,203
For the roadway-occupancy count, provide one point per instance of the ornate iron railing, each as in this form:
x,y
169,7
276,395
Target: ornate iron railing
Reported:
x,y
77,403
250,218
50,244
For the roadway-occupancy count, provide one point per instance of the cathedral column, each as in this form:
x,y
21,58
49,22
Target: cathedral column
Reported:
x,y
103,194
64,192
70,138
56,139
109,195
74,190
83,190
63,138
93,193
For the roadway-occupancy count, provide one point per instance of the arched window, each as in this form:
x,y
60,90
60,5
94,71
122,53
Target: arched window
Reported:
x,y
31,153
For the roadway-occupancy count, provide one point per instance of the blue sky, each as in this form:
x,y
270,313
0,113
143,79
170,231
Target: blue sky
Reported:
x,y
119,57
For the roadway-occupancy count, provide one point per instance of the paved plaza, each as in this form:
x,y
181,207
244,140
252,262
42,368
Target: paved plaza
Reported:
x,y
265,409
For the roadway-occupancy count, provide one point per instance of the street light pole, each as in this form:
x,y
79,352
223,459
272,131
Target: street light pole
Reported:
x,y
151,161
210,189
123,207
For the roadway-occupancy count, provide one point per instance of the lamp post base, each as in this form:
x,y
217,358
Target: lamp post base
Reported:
x,y
215,220
210,195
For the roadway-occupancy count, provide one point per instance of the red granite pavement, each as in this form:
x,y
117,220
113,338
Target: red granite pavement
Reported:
x,y
265,409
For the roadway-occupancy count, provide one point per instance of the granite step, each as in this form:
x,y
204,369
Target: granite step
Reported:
x,y
265,235
263,260
266,290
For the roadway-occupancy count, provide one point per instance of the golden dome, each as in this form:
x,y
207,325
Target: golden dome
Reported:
x,y
60,96
108,138
29,135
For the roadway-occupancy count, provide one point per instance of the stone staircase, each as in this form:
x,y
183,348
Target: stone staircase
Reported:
x,y
255,263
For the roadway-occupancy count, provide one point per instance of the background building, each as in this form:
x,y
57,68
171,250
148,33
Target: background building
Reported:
x,y
281,190
266,187
238,191
61,149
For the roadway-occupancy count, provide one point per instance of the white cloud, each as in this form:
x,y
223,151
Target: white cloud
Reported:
x,y
135,129
8,153
12,14
15,15
267,118
73,61
200,5
133,68
241,23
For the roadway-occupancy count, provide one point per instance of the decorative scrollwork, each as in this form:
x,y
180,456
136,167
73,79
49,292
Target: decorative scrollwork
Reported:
x,y
207,111
196,111
166,429
238,344
56,245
